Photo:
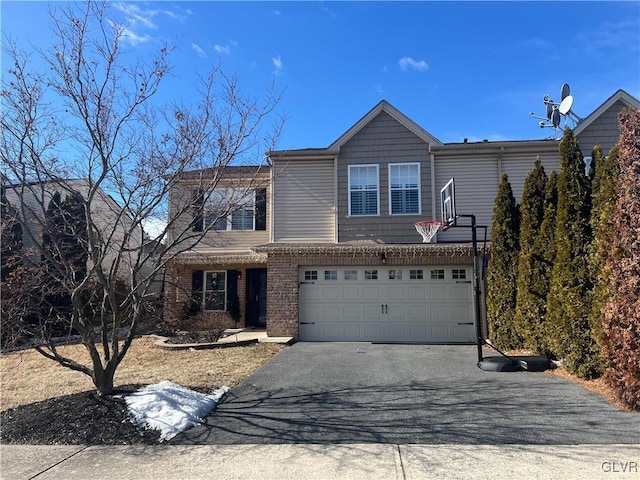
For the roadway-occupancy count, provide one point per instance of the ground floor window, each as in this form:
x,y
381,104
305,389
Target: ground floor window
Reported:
x,y
215,290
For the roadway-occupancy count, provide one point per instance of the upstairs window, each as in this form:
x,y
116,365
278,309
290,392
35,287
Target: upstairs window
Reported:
x,y
226,209
404,188
364,197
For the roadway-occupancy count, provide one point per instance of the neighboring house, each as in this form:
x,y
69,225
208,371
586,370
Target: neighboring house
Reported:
x,y
30,202
339,258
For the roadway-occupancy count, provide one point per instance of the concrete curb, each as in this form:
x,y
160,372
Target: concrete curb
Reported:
x,y
320,462
234,338
162,343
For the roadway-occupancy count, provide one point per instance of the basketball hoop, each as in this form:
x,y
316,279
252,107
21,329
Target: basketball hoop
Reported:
x,y
428,229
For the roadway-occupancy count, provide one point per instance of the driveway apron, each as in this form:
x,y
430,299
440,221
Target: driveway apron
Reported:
x,y
403,394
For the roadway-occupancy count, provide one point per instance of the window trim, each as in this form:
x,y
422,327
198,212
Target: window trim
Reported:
x,y
204,291
419,188
377,167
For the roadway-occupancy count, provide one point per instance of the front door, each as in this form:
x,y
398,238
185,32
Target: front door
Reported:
x,y
256,297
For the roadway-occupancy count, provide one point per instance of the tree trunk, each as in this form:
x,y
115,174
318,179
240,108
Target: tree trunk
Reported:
x,y
103,379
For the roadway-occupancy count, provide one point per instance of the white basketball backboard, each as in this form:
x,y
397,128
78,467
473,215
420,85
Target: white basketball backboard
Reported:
x,y
448,204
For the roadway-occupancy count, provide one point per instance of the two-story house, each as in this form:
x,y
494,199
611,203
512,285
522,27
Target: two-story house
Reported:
x,y
327,249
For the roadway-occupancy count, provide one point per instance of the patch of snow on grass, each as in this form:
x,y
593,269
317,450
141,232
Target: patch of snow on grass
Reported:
x,y
171,408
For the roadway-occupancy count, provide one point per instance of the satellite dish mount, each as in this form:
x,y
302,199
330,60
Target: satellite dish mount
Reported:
x,y
556,112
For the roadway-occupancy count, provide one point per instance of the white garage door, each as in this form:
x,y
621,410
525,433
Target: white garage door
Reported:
x,y
386,304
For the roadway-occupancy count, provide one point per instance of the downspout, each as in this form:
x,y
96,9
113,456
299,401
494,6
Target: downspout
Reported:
x,y
433,187
500,164
335,200
271,195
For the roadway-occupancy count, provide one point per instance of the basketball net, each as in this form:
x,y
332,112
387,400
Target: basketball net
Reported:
x,y
428,229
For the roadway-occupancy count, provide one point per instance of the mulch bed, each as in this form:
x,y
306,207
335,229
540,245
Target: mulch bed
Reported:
x,y
77,419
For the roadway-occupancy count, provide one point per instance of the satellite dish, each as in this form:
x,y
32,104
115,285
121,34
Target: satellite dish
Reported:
x,y
555,118
565,106
566,91
549,110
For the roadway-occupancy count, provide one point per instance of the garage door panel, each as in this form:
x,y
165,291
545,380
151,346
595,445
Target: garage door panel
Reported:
x,y
310,313
439,312
409,304
460,292
371,293
374,332
440,333
418,333
396,293
464,331
461,313
352,332
309,294
372,312
398,333
331,312
351,293
416,312
331,294
416,293
352,312
437,293
396,312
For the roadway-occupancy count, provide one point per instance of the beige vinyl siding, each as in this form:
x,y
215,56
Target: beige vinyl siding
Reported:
x,y
476,186
518,166
182,195
381,142
477,170
603,131
304,203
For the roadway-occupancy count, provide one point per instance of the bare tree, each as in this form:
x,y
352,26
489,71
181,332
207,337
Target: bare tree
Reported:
x,y
90,128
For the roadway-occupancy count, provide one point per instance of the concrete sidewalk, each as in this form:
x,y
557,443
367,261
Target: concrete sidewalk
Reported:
x,y
314,461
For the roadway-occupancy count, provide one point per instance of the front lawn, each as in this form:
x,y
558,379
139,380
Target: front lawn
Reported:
x,y
42,402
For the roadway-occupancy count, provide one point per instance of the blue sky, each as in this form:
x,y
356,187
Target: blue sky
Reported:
x,y
458,69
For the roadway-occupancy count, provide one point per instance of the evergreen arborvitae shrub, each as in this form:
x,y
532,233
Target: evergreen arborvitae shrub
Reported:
x,y
603,204
622,311
568,301
542,258
532,209
503,269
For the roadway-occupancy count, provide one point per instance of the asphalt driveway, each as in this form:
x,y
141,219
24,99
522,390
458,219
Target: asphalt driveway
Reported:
x,y
403,394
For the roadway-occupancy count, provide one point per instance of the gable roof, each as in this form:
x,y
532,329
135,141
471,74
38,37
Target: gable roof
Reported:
x,y
384,106
621,95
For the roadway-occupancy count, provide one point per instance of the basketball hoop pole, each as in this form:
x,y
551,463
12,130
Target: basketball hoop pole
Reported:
x,y
476,285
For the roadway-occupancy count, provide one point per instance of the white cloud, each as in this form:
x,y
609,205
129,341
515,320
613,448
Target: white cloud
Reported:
x,y
130,36
178,15
277,62
408,63
135,15
137,20
198,50
222,49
